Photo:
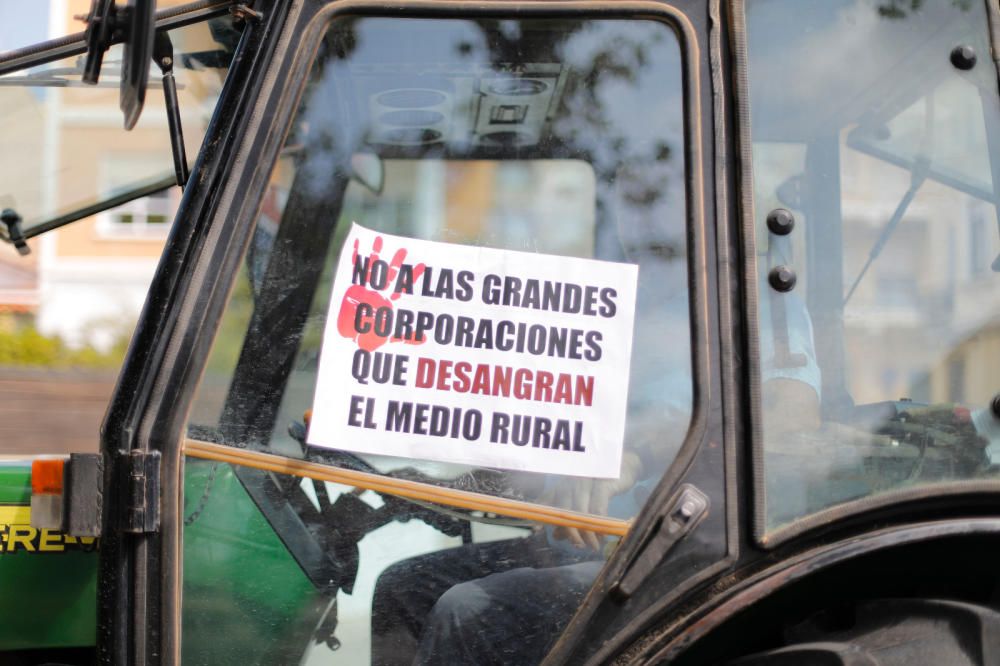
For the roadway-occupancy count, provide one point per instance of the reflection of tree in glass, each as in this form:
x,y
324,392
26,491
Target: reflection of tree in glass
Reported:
x,y
900,9
608,62
591,123
620,110
620,153
328,138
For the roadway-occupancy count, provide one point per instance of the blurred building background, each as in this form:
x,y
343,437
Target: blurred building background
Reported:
x,y
68,309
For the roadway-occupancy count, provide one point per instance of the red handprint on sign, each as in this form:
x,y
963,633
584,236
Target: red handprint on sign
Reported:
x,y
377,276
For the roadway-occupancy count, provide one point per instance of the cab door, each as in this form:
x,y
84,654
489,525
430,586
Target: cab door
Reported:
x,y
427,374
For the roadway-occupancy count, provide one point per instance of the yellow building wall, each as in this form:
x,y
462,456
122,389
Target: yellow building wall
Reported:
x,y
88,141
82,239
979,359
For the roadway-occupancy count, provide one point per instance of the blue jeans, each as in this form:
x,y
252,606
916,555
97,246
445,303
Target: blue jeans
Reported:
x,y
502,602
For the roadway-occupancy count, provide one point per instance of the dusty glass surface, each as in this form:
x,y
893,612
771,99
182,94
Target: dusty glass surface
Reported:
x,y
553,137
876,130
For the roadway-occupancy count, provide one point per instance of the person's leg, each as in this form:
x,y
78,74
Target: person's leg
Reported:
x,y
406,591
508,618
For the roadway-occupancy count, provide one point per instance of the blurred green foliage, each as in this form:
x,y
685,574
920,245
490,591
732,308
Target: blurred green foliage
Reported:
x,y
22,345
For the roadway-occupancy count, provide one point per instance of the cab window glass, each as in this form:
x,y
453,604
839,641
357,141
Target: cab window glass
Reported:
x,y
69,306
557,138
73,151
879,363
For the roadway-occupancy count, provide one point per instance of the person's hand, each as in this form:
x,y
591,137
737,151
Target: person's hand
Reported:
x,y
591,496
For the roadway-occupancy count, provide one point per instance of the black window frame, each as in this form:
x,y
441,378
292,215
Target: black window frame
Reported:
x,y
896,505
189,294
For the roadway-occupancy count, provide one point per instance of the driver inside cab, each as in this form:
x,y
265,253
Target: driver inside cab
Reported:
x,y
504,602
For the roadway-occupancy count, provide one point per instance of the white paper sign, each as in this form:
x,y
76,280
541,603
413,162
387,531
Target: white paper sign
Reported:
x,y
473,355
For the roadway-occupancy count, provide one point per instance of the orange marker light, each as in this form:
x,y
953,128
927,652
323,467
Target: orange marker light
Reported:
x,y
47,476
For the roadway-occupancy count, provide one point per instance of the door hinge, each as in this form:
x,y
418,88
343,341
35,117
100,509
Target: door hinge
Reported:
x,y
140,485
685,511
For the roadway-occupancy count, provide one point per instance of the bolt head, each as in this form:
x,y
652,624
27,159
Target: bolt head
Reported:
x,y
963,57
782,278
780,221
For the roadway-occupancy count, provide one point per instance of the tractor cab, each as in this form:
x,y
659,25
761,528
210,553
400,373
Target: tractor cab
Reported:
x,y
536,332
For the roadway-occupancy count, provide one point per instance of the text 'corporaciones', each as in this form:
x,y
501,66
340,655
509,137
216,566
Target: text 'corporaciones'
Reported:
x,y
516,357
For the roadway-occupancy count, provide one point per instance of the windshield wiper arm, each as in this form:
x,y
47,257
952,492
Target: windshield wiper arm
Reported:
x,y
920,170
